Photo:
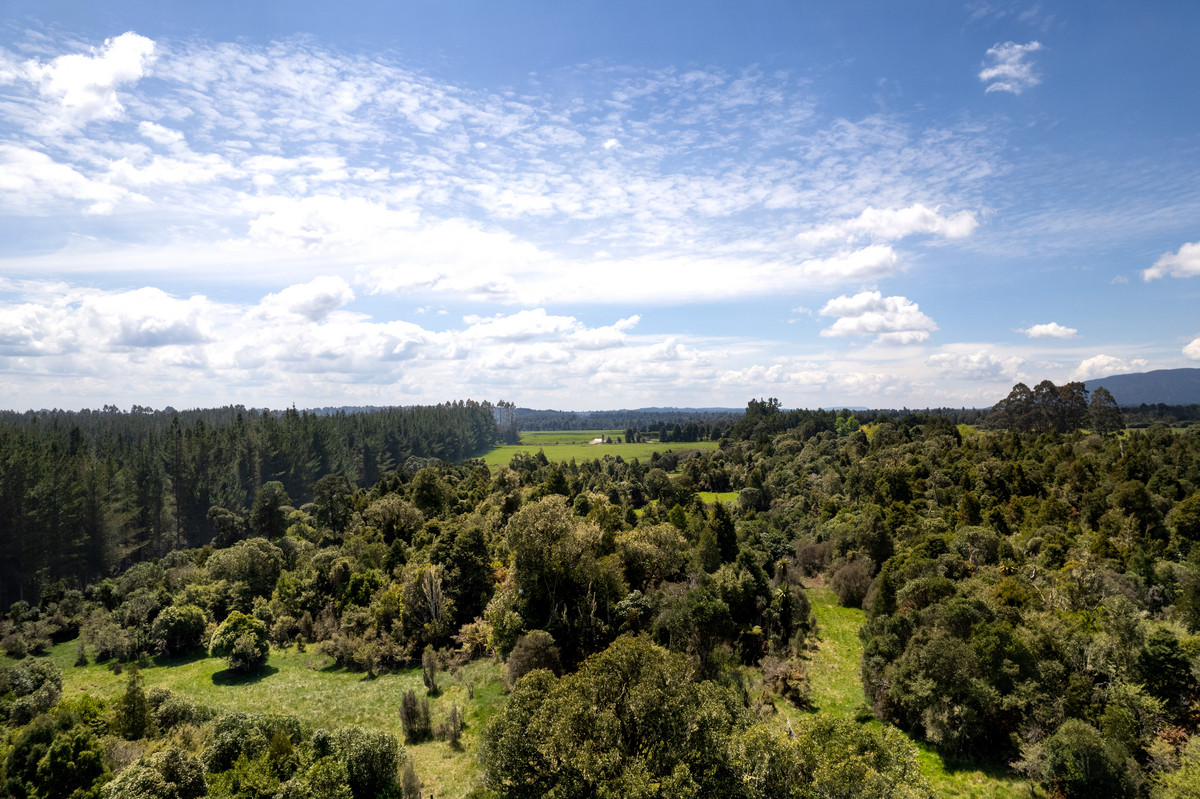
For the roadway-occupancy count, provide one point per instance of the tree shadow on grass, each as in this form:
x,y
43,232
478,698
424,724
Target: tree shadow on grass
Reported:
x,y
179,660
232,677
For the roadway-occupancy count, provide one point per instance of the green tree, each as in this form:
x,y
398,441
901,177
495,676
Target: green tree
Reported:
x,y
256,562
430,493
1104,415
1080,763
372,760
331,495
179,629
724,531
630,722
72,767
266,516
1183,782
326,778
243,641
534,650
133,720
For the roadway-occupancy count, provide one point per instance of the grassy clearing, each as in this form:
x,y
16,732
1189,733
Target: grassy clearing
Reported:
x,y
301,684
564,452
833,666
709,497
837,689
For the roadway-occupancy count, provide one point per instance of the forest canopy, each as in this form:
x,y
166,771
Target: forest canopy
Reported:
x,y
1031,598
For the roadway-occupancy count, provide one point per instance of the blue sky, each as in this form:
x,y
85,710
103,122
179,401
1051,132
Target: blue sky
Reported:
x,y
593,205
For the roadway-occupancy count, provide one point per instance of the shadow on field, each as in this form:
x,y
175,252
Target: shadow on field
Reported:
x,y
179,660
231,677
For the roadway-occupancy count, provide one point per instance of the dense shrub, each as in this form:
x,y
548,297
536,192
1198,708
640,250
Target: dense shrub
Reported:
x,y
243,641
852,581
534,650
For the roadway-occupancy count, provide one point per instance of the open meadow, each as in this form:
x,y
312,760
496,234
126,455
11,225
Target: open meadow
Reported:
x,y
563,446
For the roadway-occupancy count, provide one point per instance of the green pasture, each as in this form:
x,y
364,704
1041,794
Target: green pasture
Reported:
x,y
542,438
304,685
711,497
580,450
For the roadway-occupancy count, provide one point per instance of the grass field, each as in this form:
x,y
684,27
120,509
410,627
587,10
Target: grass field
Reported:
x,y
561,447
709,497
300,684
837,689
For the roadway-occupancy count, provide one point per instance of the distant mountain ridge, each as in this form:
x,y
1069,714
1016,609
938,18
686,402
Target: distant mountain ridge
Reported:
x,y
1166,386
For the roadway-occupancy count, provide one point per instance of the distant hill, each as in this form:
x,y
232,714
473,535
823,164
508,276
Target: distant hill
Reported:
x,y
1166,386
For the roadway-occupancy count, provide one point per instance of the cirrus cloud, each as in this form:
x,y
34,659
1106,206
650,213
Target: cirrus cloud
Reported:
x,y
1010,69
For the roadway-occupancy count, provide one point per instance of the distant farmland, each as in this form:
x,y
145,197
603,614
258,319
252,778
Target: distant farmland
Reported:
x,y
560,446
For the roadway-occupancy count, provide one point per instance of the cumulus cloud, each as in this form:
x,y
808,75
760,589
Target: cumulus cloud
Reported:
x,y
85,86
1183,263
603,338
1008,68
313,300
146,317
1049,330
978,365
892,320
1192,350
1105,366
520,326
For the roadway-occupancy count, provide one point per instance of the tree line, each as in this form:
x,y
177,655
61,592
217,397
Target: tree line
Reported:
x,y
84,492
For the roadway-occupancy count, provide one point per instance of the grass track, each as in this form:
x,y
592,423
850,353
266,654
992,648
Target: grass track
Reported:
x,y
837,688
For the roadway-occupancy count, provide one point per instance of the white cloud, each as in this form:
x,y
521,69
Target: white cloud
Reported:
x,y
1105,366
1049,330
1192,350
1010,69
895,223
159,134
892,320
603,338
1184,263
978,365
313,300
29,178
520,326
146,317
85,86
